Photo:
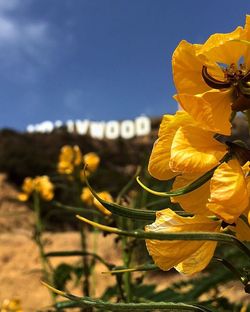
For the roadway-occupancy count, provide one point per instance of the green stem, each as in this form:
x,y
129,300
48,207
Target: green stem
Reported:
x,y
126,255
84,261
130,183
46,265
228,265
76,209
192,236
78,253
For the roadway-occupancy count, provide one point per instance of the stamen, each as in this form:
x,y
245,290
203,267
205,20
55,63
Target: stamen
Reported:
x,y
212,82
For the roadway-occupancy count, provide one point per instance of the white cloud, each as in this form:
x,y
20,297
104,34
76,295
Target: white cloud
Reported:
x,y
24,43
6,5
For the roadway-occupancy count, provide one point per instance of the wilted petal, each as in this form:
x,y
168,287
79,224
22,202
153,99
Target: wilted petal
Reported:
x,y
195,201
198,260
229,196
158,165
212,109
195,150
167,254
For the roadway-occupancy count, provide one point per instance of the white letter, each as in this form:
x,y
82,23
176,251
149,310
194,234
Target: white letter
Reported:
x,y
127,129
97,130
82,126
58,124
112,130
46,126
70,126
30,128
142,125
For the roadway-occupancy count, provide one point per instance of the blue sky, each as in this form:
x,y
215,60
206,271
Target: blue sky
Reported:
x,y
98,59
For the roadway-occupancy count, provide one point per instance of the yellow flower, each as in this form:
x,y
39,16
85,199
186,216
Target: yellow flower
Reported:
x,y
183,147
105,196
187,257
41,184
89,199
69,158
187,151
11,306
44,187
92,160
27,188
87,196
208,91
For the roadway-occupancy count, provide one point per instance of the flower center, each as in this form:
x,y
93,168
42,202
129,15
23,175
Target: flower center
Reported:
x,y
237,77
234,73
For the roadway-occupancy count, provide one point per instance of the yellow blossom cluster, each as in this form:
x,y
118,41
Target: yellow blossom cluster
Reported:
x,y
11,306
41,184
88,198
213,83
71,158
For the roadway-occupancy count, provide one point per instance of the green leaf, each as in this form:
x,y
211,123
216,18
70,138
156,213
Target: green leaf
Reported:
x,y
140,214
119,306
121,210
61,275
143,267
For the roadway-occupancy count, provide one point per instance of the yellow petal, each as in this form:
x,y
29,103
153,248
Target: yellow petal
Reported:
x,y
167,254
195,150
64,167
92,160
105,196
66,154
242,230
187,68
158,165
86,196
196,201
247,37
198,260
222,47
212,110
22,197
28,185
246,170
77,155
44,187
229,194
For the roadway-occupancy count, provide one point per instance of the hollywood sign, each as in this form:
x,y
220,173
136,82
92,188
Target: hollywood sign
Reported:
x,y
125,129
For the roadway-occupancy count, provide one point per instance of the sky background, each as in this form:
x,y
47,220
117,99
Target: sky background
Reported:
x,y
98,59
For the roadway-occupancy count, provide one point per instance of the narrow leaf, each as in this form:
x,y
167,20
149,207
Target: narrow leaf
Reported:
x,y
119,306
188,188
144,267
140,234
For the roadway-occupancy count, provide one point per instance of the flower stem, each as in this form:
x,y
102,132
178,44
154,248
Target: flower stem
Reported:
x,y
46,265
